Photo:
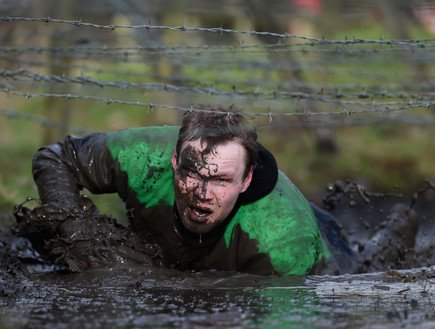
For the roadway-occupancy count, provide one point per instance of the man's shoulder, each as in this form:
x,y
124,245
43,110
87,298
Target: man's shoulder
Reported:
x,y
126,145
283,206
284,225
144,134
144,154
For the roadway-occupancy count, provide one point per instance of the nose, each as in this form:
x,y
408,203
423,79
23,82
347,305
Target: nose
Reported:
x,y
204,191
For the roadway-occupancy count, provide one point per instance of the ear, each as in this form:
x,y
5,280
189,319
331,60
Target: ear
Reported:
x,y
247,181
174,160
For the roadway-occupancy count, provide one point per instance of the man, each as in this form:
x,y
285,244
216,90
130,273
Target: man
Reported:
x,y
211,198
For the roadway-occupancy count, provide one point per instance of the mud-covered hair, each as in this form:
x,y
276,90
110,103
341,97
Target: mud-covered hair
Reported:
x,y
216,125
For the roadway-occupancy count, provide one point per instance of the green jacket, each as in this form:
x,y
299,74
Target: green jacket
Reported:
x,y
272,230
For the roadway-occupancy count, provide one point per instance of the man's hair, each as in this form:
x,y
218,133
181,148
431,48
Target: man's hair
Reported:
x,y
216,125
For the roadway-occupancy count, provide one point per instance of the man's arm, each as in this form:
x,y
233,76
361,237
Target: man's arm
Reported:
x,y
61,170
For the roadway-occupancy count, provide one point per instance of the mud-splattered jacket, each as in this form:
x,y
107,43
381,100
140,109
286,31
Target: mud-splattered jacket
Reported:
x,y
272,228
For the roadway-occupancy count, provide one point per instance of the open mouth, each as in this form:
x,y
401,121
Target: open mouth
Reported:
x,y
199,214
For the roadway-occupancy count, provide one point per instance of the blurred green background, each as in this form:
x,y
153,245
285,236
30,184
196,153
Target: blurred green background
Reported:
x,y
378,65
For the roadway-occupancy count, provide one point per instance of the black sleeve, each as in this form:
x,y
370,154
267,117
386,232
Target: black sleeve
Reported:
x,y
61,170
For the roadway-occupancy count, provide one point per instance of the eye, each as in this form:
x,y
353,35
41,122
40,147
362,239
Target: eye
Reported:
x,y
223,180
191,172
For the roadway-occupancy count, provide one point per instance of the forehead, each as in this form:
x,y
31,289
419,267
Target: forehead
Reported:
x,y
228,155
230,148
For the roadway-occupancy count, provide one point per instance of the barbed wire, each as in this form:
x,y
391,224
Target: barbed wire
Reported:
x,y
380,73
43,121
310,124
261,62
128,51
147,27
349,102
336,97
386,110
424,121
401,86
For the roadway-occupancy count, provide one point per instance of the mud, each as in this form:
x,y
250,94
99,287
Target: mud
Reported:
x,y
160,298
13,273
79,239
83,269
385,230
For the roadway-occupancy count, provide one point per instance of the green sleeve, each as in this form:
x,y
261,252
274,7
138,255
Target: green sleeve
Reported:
x,y
144,154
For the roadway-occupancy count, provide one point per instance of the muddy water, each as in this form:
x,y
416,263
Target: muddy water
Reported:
x,y
161,298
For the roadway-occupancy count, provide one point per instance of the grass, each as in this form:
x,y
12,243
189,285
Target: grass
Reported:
x,y
379,156
382,158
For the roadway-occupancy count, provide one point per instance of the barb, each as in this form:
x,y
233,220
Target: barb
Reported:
x,y
321,41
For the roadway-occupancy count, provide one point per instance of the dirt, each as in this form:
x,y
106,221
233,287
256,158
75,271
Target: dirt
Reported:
x,y
385,230
80,239
70,259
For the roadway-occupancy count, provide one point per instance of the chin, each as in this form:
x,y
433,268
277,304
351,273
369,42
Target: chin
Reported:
x,y
198,228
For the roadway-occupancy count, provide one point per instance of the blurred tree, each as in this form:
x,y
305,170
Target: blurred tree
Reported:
x,y
57,108
397,17
289,68
138,12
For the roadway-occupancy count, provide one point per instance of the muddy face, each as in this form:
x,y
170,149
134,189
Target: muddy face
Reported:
x,y
208,185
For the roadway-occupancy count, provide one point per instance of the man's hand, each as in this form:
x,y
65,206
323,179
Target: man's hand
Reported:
x,y
75,237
